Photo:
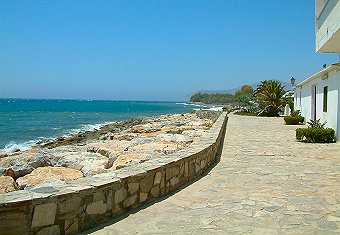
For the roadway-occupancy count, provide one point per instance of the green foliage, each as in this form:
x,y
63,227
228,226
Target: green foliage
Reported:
x,y
315,135
289,120
215,98
295,118
248,103
316,124
300,133
270,97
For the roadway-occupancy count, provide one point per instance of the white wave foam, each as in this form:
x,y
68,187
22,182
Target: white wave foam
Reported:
x,y
192,104
214,108
12,146
85,128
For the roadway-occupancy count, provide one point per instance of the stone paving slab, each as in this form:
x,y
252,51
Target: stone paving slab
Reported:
x,y
266,183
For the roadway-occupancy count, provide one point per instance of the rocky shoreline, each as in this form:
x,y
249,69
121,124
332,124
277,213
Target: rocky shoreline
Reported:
x,y
112,147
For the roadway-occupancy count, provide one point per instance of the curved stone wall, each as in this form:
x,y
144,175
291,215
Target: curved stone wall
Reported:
x,y
90,201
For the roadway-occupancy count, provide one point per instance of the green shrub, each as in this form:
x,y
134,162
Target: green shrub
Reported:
x,y
315,135
294,119
300,133
316,124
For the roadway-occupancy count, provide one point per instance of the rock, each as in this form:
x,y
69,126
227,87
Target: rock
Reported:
x,y
120,195
76,157
7,184
129,158
44,174
44,215
9,172
158,177
96,208
174,138
2,155
25,162
146,128
172,130
125,136
206,114
193,133
143,197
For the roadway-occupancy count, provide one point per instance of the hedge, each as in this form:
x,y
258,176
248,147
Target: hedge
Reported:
x,y
289,120
315,135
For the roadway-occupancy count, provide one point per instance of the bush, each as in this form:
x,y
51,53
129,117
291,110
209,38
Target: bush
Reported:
x,y
315,135
294,119
300,133
316,124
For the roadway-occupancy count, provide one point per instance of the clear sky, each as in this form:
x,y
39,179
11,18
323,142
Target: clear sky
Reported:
x,y
152,50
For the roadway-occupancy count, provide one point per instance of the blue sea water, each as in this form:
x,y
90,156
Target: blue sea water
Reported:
x,y
23,122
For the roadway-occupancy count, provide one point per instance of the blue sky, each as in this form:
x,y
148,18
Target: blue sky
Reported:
x,y
152,50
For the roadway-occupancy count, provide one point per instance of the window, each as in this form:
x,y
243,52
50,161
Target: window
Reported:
x,y
325,94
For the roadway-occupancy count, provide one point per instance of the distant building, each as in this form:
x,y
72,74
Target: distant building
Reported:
x,y
328,26
318,97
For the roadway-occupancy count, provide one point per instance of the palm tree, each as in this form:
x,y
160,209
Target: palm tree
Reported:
x,y
270,95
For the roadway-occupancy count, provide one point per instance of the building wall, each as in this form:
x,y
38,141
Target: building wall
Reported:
x,y
332,116
328,26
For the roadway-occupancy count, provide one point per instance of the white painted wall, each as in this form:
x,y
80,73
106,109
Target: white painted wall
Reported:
x,y
328,27
332,116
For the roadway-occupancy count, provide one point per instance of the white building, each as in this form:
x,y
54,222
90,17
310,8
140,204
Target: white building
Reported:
x,y
318,97
327,26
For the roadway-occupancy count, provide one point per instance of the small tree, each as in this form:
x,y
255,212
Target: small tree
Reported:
x,y
270,97
245,90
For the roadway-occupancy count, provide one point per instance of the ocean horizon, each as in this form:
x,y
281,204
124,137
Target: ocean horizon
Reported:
x,y
24,122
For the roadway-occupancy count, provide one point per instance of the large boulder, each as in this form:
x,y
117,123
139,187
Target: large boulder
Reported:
x,y
25,162
7,184
43,175
130,158
79,158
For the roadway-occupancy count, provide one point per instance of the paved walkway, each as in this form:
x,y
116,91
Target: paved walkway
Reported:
x,y
266,183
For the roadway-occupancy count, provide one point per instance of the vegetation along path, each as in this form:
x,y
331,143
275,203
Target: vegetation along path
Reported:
x,y
266,183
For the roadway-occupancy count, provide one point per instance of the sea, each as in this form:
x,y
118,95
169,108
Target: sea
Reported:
x,y
24,122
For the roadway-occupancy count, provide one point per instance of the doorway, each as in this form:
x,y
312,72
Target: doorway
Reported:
x,y
313,108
